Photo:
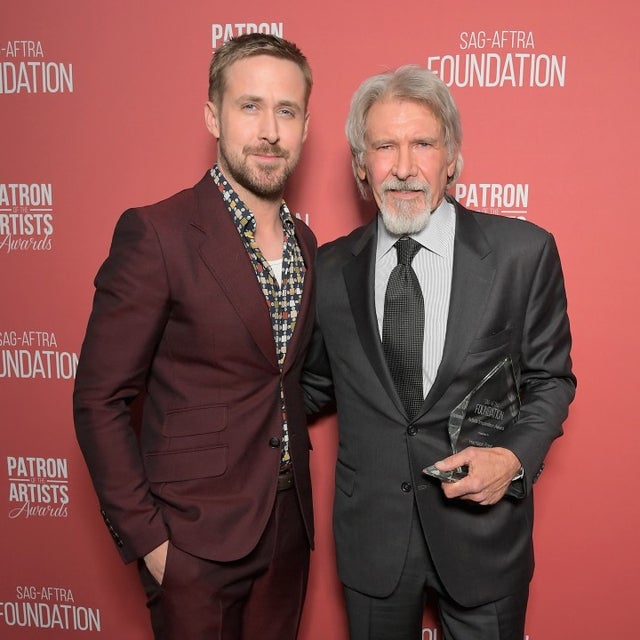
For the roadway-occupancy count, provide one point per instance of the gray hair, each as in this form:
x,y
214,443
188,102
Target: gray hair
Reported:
x,y
409,82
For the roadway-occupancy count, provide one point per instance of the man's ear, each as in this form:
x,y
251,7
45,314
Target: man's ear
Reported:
x,y
211,119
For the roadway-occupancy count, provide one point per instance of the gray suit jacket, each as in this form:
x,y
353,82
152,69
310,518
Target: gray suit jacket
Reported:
x,y
507,298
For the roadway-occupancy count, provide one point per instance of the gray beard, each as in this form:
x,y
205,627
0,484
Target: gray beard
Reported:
x,y
404,219
404,225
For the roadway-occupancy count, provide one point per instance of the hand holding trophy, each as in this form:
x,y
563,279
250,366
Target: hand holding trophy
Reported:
x,y
481,418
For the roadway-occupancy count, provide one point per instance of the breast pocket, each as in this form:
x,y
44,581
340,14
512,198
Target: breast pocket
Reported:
x,y
491,341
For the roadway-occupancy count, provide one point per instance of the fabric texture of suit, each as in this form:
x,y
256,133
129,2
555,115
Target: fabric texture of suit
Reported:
x,y
180,317
507,299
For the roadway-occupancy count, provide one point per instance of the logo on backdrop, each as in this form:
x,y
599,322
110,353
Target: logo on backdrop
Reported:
x,y
38,487
509,200
26,217
25,69
220,33
47,607
499,58
303,216
34,355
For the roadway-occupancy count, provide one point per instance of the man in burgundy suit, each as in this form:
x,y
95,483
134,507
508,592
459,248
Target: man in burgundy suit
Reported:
x,y
203,310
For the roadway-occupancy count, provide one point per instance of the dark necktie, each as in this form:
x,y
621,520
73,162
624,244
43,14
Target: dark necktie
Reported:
x,y
403,327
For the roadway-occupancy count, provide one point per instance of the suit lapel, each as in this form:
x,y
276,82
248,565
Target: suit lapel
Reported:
x,y
472,279
305,303
222,251
359,276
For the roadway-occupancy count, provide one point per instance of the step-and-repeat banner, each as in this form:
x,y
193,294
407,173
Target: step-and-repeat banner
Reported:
x,y
101,109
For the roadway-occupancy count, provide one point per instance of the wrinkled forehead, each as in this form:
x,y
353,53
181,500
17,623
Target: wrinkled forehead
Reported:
x,y
401,115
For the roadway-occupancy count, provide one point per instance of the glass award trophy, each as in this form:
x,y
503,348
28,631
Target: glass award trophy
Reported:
x,y
483,416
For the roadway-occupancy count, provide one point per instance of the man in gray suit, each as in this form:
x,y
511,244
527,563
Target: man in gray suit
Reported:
x,y
400,341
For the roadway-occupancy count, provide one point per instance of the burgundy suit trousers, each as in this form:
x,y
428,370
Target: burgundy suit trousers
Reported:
x,y
258,596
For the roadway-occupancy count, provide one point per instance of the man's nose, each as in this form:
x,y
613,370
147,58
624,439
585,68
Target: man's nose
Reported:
x,y
405,165
269,130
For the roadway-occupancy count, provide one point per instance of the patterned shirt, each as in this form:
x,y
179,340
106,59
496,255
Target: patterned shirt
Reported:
x,y
283,300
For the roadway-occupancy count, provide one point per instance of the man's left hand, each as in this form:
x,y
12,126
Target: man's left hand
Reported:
x,y
491,471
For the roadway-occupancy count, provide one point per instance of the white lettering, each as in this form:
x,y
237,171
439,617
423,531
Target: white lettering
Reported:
x,y
26,195
24,48
36,77
510,38
222,32
34,467
493,198
20,363
500,70
43,615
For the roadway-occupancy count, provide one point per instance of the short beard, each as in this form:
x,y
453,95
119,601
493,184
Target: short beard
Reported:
x,y
404,218
264,182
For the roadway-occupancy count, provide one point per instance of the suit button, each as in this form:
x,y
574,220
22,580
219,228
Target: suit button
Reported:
x,y
411,430
274,442
406,487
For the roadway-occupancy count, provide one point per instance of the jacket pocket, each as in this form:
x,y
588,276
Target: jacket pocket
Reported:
x,y
487,343
187,464
345,478
194,421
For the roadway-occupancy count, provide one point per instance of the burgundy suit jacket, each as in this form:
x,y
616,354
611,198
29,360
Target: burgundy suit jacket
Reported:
x,y
180,319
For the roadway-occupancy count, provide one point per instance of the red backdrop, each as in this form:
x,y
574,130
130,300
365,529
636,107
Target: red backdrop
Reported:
x,y
101,109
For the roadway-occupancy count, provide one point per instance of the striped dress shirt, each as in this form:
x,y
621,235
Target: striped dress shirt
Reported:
x,y
433,266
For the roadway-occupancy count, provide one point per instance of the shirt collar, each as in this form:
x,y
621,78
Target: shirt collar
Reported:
x,y
244,218
434,237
